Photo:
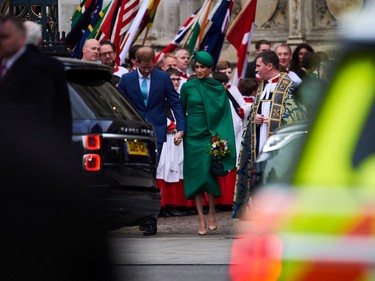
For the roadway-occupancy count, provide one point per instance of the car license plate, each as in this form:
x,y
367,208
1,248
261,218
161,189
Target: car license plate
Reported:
x,y
136,148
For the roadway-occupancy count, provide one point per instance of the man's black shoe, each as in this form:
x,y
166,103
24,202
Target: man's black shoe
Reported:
x,y
191,212
164,213
175,213
143,227
152,229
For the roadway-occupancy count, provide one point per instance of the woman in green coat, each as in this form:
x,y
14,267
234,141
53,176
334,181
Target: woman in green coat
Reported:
x,y
207,113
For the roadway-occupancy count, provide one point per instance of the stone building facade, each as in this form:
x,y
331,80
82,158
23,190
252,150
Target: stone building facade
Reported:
x,y
316,22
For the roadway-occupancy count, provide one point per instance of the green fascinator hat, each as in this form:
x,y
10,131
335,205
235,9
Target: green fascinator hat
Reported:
x,y
204,58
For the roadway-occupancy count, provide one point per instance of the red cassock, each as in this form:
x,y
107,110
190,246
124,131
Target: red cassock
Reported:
x,y
172,193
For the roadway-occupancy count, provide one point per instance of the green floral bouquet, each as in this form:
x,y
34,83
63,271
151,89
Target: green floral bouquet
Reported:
x,y
219,149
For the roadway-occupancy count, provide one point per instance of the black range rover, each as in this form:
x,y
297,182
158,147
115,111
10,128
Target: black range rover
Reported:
x,y
116,145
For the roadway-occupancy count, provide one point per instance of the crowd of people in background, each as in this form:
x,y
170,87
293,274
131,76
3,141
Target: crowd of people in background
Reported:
x,y
187,97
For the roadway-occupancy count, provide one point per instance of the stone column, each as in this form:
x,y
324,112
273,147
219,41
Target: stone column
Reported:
x,y
187,7
165,25
296,20
66,11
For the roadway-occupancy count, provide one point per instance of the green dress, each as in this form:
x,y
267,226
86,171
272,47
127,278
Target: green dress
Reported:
x,y
208,112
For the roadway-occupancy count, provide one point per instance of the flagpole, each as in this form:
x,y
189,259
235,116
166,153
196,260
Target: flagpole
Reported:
x,y
196,18
145,37
130,35
204,23
98,34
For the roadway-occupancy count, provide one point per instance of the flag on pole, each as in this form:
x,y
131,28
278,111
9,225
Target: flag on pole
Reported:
x,y
95,17
94,30
82,20
148,18
239,35
184,29
130,35
78,13
152,12
215,35
117,22
199,27
126,15
108,20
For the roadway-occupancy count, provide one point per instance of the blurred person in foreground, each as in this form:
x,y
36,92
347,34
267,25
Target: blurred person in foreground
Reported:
x,y
150,90
33,84
208,112
257,250
274,106
107,55
48,225
33,33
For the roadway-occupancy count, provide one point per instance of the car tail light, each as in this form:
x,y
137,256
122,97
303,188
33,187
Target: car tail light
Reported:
x,y
92,142
91,162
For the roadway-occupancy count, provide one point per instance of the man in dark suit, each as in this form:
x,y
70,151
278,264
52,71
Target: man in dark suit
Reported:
x,y
159,91
46,212
33,85
150,90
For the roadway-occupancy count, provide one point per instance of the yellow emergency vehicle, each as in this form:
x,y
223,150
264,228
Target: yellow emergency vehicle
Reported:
x,y
321,226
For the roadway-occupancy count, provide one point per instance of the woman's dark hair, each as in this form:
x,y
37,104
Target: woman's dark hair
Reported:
x,y
295,64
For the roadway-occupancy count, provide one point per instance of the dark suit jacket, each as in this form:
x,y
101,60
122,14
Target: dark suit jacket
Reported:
x,y
46,210
34,93
250,70
161,92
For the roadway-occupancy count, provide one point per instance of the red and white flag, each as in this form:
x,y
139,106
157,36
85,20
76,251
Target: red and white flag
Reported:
x,y
132,32
109,20
117,21
239,35
127,13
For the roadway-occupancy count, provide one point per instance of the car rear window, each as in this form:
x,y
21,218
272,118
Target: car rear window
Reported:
x,y
99,100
